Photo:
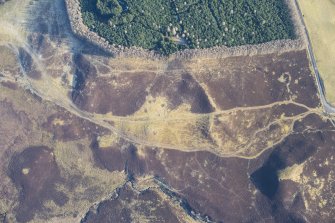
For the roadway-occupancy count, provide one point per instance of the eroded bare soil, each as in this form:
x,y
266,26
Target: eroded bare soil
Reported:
x,y
89,137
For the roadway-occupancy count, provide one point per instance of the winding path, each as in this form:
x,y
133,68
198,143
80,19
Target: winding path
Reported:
x,y
46,88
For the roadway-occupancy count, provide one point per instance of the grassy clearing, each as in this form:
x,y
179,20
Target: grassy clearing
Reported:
x,y
172,25
320,20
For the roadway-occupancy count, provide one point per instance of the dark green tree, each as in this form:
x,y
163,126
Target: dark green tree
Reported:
x,y
109,7
167,26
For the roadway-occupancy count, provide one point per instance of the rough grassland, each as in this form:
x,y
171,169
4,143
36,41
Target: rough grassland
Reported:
x,y
320,21
169,26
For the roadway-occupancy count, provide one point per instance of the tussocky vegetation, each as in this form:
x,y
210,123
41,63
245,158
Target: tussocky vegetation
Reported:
x,y
171,25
